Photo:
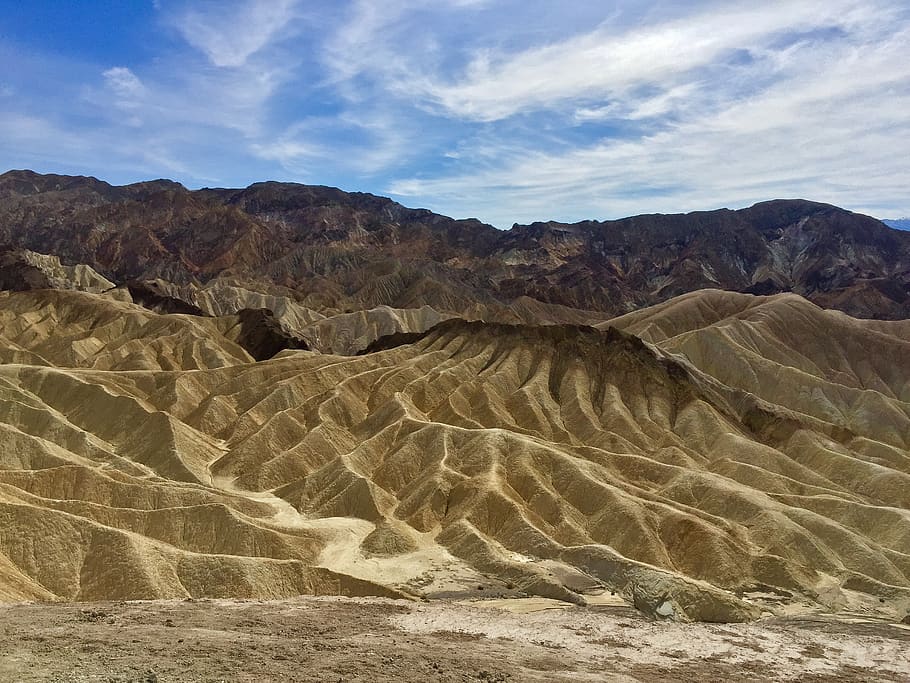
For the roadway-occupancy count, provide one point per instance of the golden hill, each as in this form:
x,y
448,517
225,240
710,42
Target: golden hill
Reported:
x,y
347,332
705,458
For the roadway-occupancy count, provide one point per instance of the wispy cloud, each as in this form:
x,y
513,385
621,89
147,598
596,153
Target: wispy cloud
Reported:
x,y
608,62
229,33
364,145
124,82
128,91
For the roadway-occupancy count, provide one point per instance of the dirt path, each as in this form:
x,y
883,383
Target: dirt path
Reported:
x,y
344,639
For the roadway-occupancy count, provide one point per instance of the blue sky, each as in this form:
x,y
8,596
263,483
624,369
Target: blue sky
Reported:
x,y
505,110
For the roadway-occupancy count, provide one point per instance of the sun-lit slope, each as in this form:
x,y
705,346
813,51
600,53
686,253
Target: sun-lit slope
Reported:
x,y
341,333
552,458
691,311
75,329
226,297
348,331
833,394
22,269
102,496
539,441
853,375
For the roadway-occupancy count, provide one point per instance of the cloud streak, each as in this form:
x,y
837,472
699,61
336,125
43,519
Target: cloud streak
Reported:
x,y
229,33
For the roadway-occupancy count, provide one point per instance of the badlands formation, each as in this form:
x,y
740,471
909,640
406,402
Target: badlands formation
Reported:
x,y
255,427
705,459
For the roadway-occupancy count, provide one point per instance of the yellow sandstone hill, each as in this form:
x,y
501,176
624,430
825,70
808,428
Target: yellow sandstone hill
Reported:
x,y
705,458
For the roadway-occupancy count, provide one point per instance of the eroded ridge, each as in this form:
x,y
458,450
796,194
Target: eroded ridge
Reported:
x,y
723,455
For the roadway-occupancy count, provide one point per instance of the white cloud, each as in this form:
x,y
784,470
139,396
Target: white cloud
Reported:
x,y
125,85
633,109
361,42
123,81
607,62
364,145
292,153
229,33
396,42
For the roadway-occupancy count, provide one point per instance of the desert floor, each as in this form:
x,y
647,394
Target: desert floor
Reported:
x,y
348,639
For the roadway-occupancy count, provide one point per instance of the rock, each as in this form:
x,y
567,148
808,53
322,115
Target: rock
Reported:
x,y
665,609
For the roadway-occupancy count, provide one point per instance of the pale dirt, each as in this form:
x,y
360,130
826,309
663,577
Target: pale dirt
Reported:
x,y
374,640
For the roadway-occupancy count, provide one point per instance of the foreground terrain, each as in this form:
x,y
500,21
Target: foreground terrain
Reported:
x,y
330,639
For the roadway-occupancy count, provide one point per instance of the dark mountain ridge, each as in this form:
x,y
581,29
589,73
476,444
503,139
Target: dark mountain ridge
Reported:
x,y
337,250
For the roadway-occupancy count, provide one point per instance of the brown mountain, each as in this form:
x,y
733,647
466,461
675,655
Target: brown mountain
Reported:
x,y
336,252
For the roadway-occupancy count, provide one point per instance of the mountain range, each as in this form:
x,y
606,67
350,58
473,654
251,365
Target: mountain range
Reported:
x,y
333,251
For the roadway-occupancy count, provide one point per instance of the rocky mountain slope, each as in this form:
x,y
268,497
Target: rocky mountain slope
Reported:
x,y
336,252
21,269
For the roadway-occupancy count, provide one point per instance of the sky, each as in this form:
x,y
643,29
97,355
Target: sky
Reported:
x,y
508,111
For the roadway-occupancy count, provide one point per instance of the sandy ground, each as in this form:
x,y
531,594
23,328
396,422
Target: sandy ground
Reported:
x,y
345,639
